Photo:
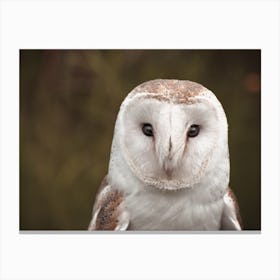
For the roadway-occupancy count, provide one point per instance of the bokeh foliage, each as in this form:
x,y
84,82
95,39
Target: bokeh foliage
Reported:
x,y
69,100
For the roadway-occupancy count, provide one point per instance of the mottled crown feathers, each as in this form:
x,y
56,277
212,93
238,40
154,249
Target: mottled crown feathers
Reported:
x,y
172,91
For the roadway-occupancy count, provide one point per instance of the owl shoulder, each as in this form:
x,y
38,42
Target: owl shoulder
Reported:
x,y
231,218
108,210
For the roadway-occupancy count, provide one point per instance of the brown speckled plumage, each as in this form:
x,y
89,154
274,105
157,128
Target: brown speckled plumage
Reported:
x,y
107,218
174,91
235,203
106,208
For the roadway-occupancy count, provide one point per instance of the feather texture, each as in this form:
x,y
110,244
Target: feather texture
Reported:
x,y
108,213
168,180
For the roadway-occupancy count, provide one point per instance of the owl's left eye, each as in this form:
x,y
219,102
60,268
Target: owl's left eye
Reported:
x,y
193,130
147,129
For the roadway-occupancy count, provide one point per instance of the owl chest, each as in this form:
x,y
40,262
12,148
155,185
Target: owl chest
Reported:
x,y
179,211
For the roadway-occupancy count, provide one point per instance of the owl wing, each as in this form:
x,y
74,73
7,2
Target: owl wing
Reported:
x,y
108,209
231,219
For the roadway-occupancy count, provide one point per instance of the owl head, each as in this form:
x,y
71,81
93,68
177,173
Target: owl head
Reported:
x,y
170,134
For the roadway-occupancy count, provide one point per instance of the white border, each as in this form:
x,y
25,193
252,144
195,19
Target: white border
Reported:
x,y
155,24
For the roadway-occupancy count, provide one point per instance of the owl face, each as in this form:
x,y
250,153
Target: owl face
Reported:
x,y
170,144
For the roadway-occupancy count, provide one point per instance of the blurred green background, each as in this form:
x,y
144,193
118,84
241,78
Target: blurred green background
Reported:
x,y
69,100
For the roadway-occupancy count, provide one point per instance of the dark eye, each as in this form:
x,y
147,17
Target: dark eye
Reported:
x,y
147,129
193,130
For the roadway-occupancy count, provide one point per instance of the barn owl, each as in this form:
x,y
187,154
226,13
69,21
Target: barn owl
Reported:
x,y
169,163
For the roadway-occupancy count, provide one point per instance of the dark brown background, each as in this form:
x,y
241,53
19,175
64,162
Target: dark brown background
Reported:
x,y
69,100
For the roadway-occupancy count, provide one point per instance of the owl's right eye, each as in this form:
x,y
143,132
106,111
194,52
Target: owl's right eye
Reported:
x,y
147,129
193,130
